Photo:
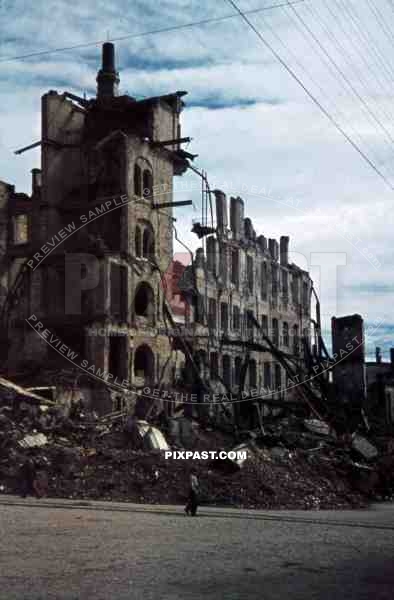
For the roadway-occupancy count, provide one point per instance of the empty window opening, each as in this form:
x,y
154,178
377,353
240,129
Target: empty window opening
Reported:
x,y
285,283
147,184
274,281
249,270
144,363
235,267
138,245
264,324
118,359
148,243
137,180
295,289
285,334
252,374
224,316
212,313
249,323
144,302
236,318
119,301
199,306
237,370
296,342
214,365
267,374
264,281
275,332
226,365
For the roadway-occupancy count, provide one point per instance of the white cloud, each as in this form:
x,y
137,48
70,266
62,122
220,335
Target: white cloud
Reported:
x,y
287,148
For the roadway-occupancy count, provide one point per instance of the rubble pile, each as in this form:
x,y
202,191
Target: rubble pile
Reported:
x,y
291,464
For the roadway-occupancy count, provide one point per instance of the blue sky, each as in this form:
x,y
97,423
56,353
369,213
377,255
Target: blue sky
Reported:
x,y
252,125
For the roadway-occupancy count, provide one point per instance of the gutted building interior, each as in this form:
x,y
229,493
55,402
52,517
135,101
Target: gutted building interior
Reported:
x,y
88,254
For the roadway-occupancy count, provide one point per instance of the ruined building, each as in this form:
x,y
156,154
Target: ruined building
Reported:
x,y
87,256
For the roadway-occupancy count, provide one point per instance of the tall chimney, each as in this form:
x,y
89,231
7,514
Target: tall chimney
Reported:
x,y
273,247
284,250
248,228
237,217
35,180
221,210
107,78
262,242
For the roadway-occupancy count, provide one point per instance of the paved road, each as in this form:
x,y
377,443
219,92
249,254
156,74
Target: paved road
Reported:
x,y
68,550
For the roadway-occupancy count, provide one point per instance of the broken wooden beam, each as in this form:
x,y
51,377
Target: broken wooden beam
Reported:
x,y
183,140
166,204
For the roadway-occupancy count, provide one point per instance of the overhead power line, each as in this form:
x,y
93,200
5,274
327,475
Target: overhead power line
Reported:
x,y
356,57
144,33
311,96
338,69
312,79
330,102
356,73
354,66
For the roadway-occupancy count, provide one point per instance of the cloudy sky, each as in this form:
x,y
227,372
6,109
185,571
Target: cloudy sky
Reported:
x,y
256,131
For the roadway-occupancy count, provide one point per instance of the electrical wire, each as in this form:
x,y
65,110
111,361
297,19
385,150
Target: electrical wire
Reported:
x,y
140,35
308,74
344,54
334,68
363,35
371,40
311,96
340,71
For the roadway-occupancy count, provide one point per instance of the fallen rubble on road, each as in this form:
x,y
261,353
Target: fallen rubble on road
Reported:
x,y
292,465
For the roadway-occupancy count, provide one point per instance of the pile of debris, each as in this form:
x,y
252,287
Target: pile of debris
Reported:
x,y
294,463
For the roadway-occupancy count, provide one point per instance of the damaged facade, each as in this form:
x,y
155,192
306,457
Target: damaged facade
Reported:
x,y
380,387
244,290
86,255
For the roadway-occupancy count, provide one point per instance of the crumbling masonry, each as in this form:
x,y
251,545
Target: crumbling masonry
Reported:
x,y
88,255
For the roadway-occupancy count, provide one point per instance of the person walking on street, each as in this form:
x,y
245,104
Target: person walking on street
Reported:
x,y
27,477
194,490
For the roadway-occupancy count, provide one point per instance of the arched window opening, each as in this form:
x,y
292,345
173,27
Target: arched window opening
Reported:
x,y
144,363
144,302
252,374
137,180
147,184
148,243
237,370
